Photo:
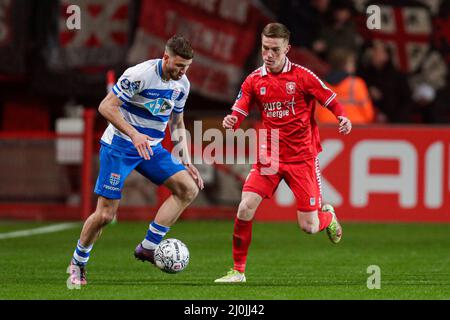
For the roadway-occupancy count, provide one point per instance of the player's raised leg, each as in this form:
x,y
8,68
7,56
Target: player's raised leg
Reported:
x,y
315,221
242,236
104,213
304,180
184,191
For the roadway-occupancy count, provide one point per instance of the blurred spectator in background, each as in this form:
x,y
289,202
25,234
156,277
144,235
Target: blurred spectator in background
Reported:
x,y
339,30
388,87
424,96
441,110
351,90
305,19
431,105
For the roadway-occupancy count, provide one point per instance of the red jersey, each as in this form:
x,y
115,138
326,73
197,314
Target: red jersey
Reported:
x,y
286,102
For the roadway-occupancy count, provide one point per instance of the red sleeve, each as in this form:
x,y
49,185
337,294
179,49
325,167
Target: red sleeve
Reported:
x,y
336,108
240,118
243,102
314,86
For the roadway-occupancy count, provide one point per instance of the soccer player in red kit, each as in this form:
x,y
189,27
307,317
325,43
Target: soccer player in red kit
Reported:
x,y
285,94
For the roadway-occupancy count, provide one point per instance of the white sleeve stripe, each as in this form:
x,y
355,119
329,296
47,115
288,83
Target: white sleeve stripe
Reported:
x,y
240,111
120,91
307,70
120,95
329,100
124,99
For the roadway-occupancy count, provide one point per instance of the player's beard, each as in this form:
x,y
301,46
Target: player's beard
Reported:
x,y
174,75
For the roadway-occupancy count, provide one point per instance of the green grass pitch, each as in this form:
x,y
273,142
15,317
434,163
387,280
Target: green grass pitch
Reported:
x,y
283,263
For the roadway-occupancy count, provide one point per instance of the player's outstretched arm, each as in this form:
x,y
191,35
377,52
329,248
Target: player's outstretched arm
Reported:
x,y
345,125
109,108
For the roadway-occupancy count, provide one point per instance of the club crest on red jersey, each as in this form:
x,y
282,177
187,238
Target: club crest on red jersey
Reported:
x,y
290,87
262,91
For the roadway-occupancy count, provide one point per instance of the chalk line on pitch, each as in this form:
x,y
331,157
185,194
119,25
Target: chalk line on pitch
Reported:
x,y
40,230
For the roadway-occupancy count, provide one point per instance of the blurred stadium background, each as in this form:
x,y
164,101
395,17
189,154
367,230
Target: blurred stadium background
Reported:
x,y
394,167
393,81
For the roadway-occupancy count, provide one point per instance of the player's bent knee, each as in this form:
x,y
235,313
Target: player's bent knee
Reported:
x,y
191,193
308,221
106,211
246,210
106,215
107,218
309,228
187,191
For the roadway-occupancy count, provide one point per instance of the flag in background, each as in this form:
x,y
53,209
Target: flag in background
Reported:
x,y
223,34
101,41
408,27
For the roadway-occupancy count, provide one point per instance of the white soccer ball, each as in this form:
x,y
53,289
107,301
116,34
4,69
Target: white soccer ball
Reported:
x,y
171,256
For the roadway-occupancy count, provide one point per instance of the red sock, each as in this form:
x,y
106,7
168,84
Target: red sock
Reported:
x,y
242,236
324,219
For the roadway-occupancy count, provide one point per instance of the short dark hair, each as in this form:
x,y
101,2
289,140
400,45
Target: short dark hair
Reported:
x,y
276,30
180,46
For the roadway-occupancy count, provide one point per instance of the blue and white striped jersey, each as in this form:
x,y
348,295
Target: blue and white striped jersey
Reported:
x,y
148,102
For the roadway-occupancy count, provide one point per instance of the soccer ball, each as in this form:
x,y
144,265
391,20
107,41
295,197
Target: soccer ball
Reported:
x,y
171,256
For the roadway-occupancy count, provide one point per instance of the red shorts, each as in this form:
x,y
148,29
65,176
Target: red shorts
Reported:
x,y
303,178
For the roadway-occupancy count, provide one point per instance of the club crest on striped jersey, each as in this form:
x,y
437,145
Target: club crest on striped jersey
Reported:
x,y
175,93
312,201
114,179
290,87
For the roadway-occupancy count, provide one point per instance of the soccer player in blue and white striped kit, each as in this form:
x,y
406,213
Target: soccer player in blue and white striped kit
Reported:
x,y
145,99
